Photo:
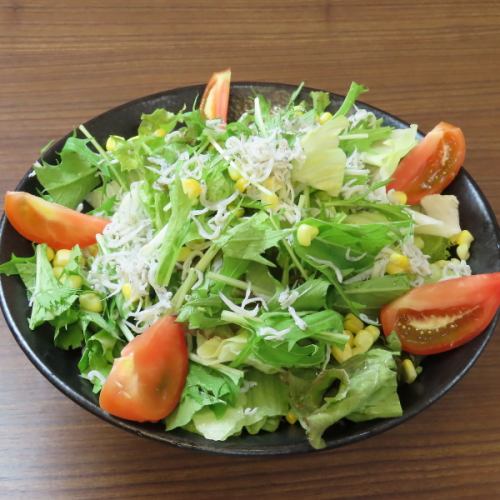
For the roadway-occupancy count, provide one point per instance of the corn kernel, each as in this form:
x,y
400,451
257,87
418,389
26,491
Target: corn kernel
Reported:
x,y
463,238
342,355
50,253
351,337
270,200
352,323
291,418
306,233
93,249
373,331
463,252
233,173
127,291
57,271
192,188
159,132
409,372
418,242
400,260
112,143
397,197
184,253
241,185
393,269
61,258
324,117
90,301
73,281
271,183
363,340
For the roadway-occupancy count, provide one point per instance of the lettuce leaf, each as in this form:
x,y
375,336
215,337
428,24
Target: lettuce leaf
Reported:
x,y
367,389
70,181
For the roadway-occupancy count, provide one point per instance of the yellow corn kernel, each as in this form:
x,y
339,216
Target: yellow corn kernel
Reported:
x,y
61,258
127,291
90,301
342,355
324,117
159,132
397,197
271,183
306,233
363,340
73,281
57,271
393,269
241,184
93,249
409,372
270,200
419,242
291,418
192,188
400,260
112,143
233,173
373,331
463,251
352,323
184,253
462,238
351,337
50,253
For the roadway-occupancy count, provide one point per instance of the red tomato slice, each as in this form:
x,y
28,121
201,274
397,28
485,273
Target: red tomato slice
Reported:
x,y
44,222
441,316
146,382
431,165
215,100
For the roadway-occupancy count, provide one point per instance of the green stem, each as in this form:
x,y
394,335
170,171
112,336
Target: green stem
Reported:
x,y
103,153
242,285
190,280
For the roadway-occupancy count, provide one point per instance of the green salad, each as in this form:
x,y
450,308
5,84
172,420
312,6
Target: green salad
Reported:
x,y
271,242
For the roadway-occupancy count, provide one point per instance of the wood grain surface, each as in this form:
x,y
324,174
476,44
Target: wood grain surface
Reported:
x,y
62,62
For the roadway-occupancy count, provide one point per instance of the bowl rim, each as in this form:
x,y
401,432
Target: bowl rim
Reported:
x,y
378,426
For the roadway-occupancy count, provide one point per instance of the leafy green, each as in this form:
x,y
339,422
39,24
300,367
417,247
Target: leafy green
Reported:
x,y
321,101
324,163
176,231
24,267
50,297
159,119
372,294
436,247
249,238
70,181
388,153
367,389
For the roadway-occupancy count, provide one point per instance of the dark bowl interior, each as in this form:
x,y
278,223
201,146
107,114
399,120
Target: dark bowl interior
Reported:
x,y
440,373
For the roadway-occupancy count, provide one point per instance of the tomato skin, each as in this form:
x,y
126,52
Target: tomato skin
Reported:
x,y
145,384
432,164
215,100
45,222
441,316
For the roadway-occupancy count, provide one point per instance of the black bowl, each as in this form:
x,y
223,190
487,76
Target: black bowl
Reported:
x,y
441,372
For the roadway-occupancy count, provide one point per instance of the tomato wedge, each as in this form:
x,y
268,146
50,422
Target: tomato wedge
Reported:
x,y
146,382
215,100
45,222
431,165
441,316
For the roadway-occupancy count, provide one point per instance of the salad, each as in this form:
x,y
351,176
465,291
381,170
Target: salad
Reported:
x,y
291,267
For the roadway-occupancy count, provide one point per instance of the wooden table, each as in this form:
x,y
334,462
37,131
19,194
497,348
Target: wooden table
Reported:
x,y
62,62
